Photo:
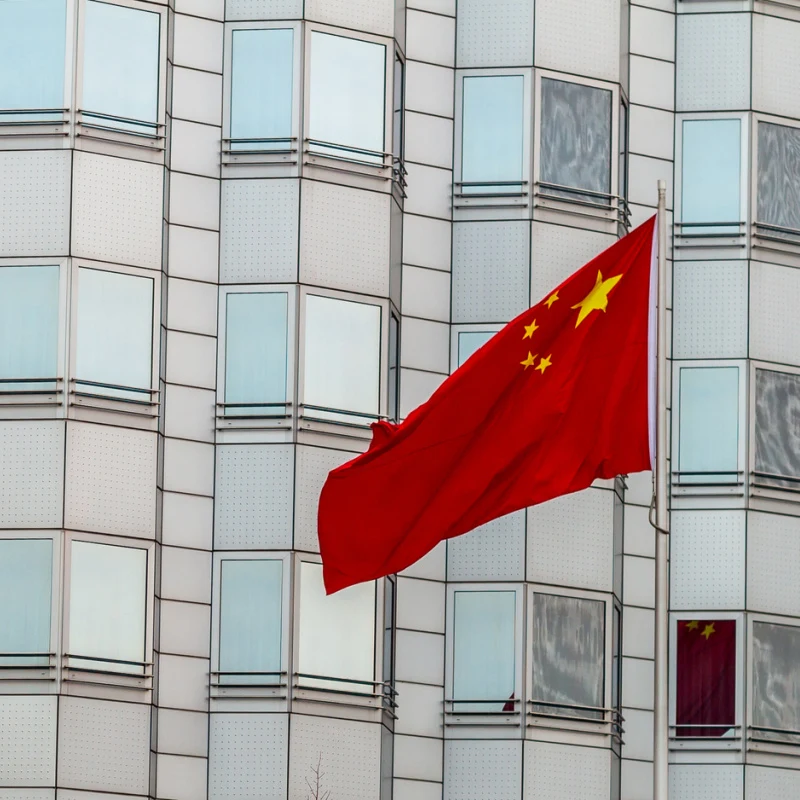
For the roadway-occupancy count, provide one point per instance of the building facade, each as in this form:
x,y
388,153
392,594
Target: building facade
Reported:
x,y
235,232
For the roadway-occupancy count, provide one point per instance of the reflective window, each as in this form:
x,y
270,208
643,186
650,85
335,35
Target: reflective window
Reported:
x,y
709,424
250,621
26,569
337,634
121,66
776,682
575,140
568,655
484,651
711,174
394,371
107,605
492,133
348,97
470,341
779,176
256,329
705,702
261,89
115,334
777,431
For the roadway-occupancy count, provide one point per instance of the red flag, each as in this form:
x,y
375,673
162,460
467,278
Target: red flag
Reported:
x,y
556,399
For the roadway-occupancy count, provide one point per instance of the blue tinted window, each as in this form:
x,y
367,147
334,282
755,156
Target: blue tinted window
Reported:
x,y
470,341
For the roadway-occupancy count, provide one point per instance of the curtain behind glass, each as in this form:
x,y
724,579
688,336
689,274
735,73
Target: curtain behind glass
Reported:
x,y
777,433
776,681
779,175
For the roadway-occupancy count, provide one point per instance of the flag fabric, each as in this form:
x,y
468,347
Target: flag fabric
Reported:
x,y
556,399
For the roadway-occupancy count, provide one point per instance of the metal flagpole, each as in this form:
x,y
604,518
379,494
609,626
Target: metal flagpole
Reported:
x,y
661,698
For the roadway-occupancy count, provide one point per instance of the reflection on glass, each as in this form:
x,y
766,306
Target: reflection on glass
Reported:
x,y
776,681
348,97
121,66
779,177
777,432
107,605
708,445
484,651
470,341
115,334
256,326
261,88
26,568
492,134
250,621
710,175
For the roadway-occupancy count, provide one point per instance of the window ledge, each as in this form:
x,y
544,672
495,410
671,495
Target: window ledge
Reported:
x,y
598,210
107,672
482,715
586,721
781,244
22,672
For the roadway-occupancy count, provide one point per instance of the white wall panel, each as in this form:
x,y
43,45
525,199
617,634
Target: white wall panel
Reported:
x,y
183,682
567,773
637,683
766,783
197,96
27,794
652,83
416,387
187,520
184,630
415,757
193,253
429,139
427,242
192,306
426,293
420,605
773,563
706,782
73,794
263,9
183,732
258,231
254,497
191,360
27,741
776,89
638,731
188,467
635,775
430,37
429,89
181,777
495,551
31,474
194,201
429,192
652,33
373,16
477,770
117,210
420,658
197,44
774,321
185,574
425,345
420,713
189,412
494,34
644,173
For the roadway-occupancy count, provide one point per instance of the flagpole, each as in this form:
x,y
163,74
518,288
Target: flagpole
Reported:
x,y
661,698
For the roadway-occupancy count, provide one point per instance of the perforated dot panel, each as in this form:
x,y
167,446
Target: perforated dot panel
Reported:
x,y
774,335
487,770
373,16
27,740
569,773
776,89
495,551
494,34
263,9
773,563
705,782
766,783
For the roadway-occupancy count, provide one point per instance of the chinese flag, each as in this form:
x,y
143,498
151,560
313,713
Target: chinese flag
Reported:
x,y
556,399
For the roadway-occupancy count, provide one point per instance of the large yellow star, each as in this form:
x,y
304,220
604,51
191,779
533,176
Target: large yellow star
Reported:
x,y
529,329
708,630
550,300
529,361
544,363
597,299
693,625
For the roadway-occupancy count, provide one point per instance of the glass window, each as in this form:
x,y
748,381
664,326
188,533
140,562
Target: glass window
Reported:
x,y
471,341
779,175
26,569
107,605
492,133
390,592
115,334
121,66
616,667
398,109
709,424
348,97
575,140
568,655
342,355
394,371
32,52
261,89
337,634
28,327
250,621
622,189
776,681
484,651
705,703
256,350
777,431
710,174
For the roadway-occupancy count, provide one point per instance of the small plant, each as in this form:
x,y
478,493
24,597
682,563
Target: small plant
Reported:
x,y
315,783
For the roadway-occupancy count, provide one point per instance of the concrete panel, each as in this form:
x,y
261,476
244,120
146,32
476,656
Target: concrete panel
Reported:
x,y
476,770
27,741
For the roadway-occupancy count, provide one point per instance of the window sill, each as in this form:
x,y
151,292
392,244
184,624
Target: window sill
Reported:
x,y
698,240
31,397
599,211
587,723
353,166
33,128
482,714
776,243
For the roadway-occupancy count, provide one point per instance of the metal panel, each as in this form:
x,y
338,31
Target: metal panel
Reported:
x,y
34,203
193,253
187,520
651,132
429,140
774,334
416,387
495,551
185,574
103,745
111,480
427,242
197,44
776,89
644,173
652,33
708,559
430,38
72,794
429,192
420,658
420,713
184,629
420,605
181,777
425,345
637,683
373,16
263,9
773,564
31,474
475,770
494,34
418,758
183,682
197,96
27,741
191,360
183,732
189,412
29,794
706,781
194,201
258,231
652,83
429,89
192,306
765,783
566,773
426,293
638,732
117,210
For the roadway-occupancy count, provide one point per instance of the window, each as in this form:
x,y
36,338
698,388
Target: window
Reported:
x,y
777,457
394,368
107,607
398,109
28,328
779,177
568,656
705,700
261,88
776,682
484,651
492,138
26,569
256,353
470,341
575,141
337,635
121,67
708,446
250,621
389,601
347,97
622,188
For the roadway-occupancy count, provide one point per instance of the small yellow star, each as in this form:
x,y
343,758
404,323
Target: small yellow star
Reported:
x,y
544,363
597,299
529,361
708,630
693,625
550,300
529,329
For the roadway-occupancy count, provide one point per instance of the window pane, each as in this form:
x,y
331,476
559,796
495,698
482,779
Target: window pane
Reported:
x,y
121,65
115,332
389,593
261,88
776,680
492,137
32,43
484,650
256,352
107,604
250,621
348,95
342,355
470,341
777,433
337,633
28,326
576,139
568,654
709,419
710,174
779,175
26,569
394,372
705,704
398,107
622,189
